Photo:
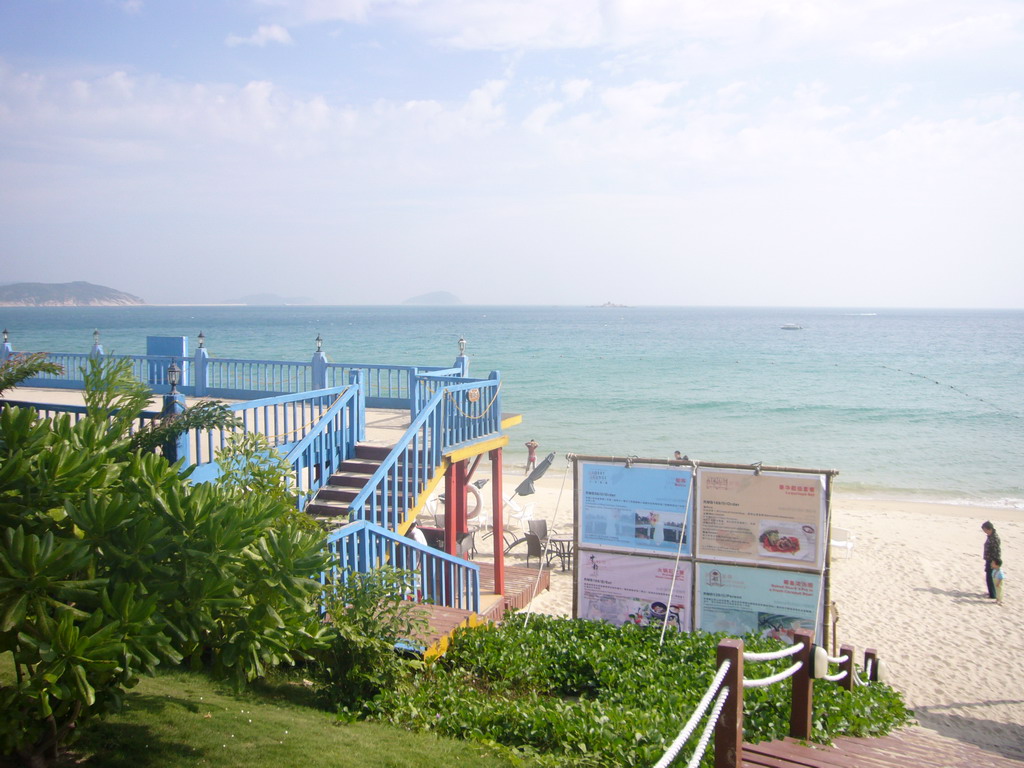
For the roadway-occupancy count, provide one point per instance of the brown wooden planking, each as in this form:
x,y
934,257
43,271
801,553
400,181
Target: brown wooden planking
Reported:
x,y
519,583
913,747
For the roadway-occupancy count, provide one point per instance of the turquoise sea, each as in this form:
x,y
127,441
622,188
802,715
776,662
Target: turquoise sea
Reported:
x,y
926,404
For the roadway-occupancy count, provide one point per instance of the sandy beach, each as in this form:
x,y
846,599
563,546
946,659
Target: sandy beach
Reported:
x,y
912,587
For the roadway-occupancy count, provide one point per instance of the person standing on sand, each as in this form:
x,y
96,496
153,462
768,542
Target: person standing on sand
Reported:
x,y
531,457
993,551
997,579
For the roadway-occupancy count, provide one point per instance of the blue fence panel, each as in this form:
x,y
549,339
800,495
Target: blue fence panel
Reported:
x,y
392,491
237,378
284,419
441,578
78,412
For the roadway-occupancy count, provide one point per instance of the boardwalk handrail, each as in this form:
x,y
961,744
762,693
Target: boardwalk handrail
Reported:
x,y
441,579
387,386
810,662
282,419
405,471
687,730
78,412
457,412
329,442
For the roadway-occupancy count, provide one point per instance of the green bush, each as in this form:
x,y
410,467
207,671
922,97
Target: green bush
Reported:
x,y
112,563
369,614
580,693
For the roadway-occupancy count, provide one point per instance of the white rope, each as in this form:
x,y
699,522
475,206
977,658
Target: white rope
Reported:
x,y
867,672
684,734
705,737
778,677
836,677
675,566
838,659
774,655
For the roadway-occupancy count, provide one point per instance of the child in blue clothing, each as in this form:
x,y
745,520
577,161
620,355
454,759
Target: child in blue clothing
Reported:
x,y
997,579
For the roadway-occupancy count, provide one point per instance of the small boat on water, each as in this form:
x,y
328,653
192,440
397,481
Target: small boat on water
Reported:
x,y
792,327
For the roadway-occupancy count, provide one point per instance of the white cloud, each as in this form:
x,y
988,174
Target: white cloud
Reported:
x,y
576,89
269,33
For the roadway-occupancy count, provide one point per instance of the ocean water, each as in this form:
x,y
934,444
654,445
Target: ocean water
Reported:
x,y
925,404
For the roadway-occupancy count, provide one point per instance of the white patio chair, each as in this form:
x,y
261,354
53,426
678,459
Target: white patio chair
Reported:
x,y
842,539
516,513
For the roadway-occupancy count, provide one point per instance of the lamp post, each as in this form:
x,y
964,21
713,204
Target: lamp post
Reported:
x,y
97,348
173,377
462,362
174,405
319,365
5,350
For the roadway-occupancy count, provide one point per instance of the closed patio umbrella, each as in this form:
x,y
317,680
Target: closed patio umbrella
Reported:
x,y
525,488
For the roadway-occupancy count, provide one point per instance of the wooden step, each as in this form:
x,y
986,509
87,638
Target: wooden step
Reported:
x,y
359,466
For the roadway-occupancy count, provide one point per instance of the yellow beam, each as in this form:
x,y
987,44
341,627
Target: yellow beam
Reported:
x,y
511,420
421,499
476,449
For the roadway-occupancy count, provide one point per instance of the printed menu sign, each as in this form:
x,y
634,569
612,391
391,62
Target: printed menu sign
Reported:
x,y
770,518
774,603
635,508
634,589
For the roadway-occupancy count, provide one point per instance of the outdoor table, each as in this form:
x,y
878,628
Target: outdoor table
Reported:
x,y
562,548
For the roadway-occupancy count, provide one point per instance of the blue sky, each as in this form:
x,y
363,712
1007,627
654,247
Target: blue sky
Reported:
x,y
799,153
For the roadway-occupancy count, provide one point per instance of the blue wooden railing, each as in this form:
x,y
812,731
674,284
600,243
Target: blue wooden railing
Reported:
x,y
328,443
77,412
441,578
452,415
386,386
151,369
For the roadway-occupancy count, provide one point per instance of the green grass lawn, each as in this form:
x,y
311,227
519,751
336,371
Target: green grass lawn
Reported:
x,y
181,719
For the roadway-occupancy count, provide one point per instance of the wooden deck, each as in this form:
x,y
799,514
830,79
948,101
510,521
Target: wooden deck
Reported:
x,y
519,585
908,748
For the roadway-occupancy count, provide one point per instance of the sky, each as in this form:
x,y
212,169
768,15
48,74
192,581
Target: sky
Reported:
x,y
853,153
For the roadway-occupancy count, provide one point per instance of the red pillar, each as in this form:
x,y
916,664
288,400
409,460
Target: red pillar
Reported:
x,y
454,504
497,524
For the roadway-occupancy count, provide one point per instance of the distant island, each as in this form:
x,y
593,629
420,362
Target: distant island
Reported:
x,y
609,304
76,294
436,298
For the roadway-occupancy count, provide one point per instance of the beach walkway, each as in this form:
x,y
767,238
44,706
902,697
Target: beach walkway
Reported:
x,y
907,748
520,584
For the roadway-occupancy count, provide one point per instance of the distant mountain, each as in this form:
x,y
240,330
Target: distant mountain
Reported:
x,y
264,299
77,294
436,298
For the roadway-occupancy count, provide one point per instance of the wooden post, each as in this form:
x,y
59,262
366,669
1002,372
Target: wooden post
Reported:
x,y
729,729
803,687
497,523
871,660
847,651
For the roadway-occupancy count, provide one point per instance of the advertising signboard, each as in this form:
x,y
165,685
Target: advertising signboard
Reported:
x,y
771,518
738,599
634,589
635,508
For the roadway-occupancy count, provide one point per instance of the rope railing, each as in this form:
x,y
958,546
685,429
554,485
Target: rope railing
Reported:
x,y
778,677
709,728
783,653
691,724
726,718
